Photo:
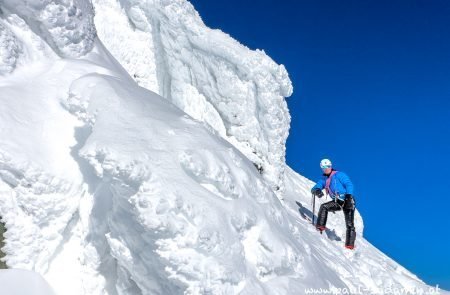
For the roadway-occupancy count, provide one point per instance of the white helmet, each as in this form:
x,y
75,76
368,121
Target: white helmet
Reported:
x,y
325,163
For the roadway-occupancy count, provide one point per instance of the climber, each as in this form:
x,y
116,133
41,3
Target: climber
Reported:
x,y
339,187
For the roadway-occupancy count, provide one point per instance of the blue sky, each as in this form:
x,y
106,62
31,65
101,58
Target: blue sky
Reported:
x,y
372,93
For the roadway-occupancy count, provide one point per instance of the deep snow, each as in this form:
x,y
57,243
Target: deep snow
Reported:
x,y
109,188
23,282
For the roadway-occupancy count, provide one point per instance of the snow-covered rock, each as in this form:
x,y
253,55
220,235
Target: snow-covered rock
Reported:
x,y
209,75
10,50
66,25
108,188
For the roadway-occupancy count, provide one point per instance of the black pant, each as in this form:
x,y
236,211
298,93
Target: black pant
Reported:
x,y
349,215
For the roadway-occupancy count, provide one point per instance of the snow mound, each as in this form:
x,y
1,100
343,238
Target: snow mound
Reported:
x,y
206,73
196,244
66,25
23,282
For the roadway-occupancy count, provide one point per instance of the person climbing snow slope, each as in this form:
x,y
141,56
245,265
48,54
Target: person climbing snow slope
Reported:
x,y
340,188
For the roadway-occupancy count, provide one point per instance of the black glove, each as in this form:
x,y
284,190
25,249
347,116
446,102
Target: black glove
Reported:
x,y
349,202
317,192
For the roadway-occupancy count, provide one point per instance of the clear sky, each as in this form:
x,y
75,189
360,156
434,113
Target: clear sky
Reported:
x,y
371,92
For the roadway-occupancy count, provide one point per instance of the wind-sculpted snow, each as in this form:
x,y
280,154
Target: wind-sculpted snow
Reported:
x,y
66,25
184,206
138,198
36,208
206,73
10,50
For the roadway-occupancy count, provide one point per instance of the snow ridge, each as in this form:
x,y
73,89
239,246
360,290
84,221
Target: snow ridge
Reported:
x,y
139,214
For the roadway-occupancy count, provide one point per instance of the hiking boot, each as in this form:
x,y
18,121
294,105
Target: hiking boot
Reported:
x,y
320,228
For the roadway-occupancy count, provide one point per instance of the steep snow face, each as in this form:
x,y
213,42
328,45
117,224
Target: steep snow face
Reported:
x,y
134,48
66,25
137,197
206,73
363,271
10,50
179,192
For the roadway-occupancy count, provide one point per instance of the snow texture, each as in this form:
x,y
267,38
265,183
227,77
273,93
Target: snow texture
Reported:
x,y
206,73
108,188
10,50
66,25
23,282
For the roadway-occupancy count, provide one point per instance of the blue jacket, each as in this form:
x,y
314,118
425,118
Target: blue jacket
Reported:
x,y
340,185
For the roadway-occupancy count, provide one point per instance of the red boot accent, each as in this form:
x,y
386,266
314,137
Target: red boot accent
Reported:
x,y
349,247
320,228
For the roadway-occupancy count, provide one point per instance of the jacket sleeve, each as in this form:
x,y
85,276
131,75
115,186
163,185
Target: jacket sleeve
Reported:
x,y
320,184
346,182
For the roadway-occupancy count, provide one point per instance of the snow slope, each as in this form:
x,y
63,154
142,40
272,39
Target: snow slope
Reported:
x,y
23,282
109,188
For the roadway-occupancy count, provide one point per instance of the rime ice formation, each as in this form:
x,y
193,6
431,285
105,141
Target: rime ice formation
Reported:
x,y
10,50
66,25
206,73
